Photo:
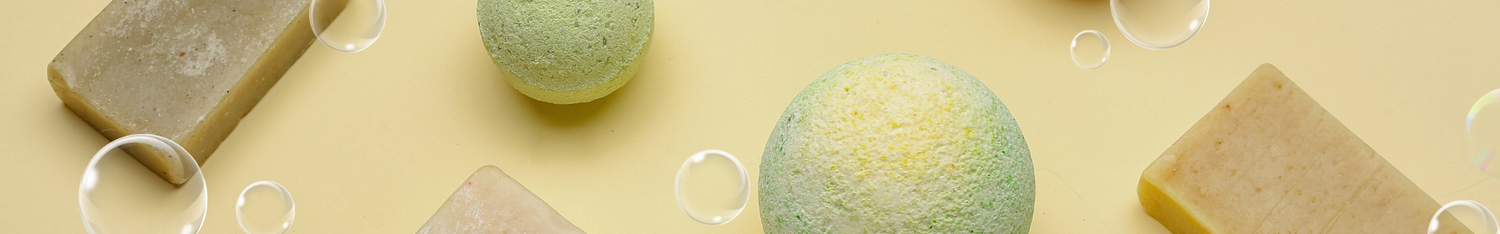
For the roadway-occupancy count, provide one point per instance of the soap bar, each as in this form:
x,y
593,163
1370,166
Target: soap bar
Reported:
x,y
492,202
1269,159
187,70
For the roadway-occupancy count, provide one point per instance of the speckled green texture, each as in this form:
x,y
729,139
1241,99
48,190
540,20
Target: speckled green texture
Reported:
x,y
567,51
896,143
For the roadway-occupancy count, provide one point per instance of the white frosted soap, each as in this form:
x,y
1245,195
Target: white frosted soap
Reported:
x,y
492,202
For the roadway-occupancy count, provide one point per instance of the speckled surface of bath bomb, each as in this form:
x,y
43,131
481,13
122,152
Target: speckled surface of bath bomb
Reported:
x,y
896,143
566,51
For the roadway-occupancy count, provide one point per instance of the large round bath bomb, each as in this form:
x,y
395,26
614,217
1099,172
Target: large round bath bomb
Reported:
x,y
896,143
566,51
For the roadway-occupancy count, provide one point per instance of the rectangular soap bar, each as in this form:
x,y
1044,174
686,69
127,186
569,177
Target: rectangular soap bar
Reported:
x,y
187,70
492,202
1269,159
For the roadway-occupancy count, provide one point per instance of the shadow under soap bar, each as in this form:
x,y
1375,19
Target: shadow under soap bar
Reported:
x,y
187,70
1269,159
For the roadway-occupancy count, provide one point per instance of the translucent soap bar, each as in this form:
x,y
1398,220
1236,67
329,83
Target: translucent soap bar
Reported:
x,y
490,201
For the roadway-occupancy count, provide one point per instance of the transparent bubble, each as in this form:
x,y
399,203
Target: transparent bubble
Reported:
x,y
347,26
712,187
1483,130
1473,213
1090,49
265,207
1159,24
118,194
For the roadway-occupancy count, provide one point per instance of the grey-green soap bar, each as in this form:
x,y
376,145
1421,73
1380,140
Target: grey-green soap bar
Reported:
x,y
185,70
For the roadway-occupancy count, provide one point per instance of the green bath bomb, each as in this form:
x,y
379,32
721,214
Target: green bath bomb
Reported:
x,y
566,51
896,143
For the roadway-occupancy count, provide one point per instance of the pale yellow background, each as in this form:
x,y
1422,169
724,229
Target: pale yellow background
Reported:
x,y
374,142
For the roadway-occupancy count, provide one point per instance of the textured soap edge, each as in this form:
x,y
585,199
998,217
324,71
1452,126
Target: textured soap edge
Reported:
x,y
1165,208
1169,210
110,129
1429,206
252,87
298,34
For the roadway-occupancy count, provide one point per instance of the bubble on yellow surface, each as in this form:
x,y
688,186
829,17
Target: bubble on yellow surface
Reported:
x,y
712,187
265,207
1159,24
1090,49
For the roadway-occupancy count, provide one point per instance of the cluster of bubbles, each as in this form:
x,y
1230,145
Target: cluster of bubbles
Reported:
x,y
114,198
712,186
1166,24
1153,24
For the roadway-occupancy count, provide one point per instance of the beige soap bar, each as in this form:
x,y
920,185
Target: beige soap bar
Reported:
x,y
1268,159
187,70
492,202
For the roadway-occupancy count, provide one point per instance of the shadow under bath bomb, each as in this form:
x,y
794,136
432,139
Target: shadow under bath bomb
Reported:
x,y
566,52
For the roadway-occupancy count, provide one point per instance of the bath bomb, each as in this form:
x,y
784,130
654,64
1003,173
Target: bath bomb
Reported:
x,y
896,143
566,51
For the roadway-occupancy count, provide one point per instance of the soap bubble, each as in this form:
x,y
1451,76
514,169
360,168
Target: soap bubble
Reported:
x,y
265,207
712,187
1090,49
1159,24
1483,130
1474,210
347,26
118,194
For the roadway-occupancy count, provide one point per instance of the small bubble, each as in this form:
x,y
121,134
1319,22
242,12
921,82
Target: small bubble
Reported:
x,y
1159,24
265,207
1482,126
712,187
1472,213
1090,49
350,29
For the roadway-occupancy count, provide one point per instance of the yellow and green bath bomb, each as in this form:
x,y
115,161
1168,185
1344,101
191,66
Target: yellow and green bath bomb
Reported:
x,y
896,143
566,51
